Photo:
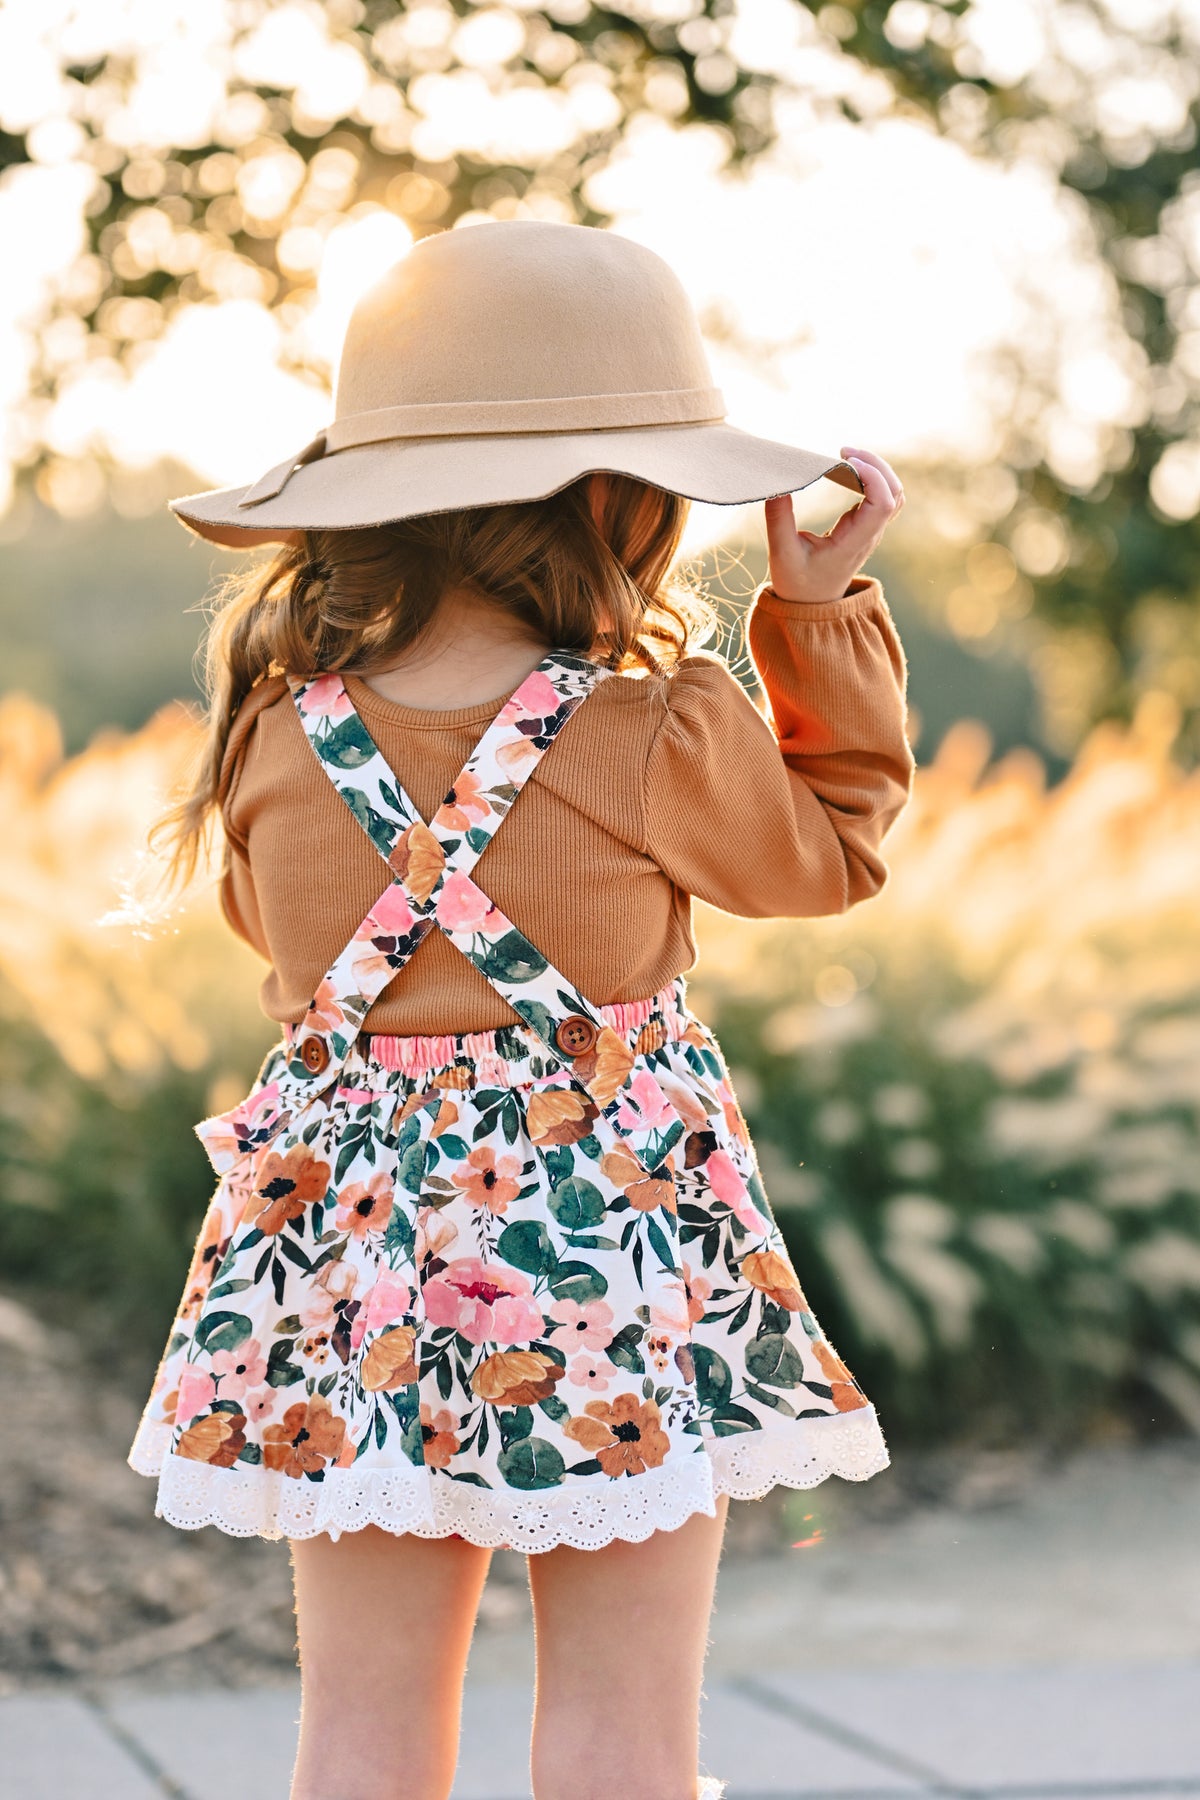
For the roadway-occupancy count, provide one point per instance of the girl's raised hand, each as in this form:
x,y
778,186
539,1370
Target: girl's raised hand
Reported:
x,y
809,565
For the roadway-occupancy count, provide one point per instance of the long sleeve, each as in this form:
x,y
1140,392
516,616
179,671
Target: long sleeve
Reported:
x,y
783,816
239,901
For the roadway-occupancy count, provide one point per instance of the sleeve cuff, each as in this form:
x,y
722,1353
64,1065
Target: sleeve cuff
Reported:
x,y
863,593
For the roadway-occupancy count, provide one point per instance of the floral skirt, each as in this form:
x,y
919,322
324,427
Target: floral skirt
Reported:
x,y
447,1299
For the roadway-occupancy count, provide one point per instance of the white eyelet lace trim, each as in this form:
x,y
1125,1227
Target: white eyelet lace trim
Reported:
x,y
258,1502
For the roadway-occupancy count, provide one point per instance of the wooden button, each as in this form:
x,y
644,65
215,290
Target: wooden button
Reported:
x,y
314,1054
575,1035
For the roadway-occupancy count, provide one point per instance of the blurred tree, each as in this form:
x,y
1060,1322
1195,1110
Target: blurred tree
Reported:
x,y
296,114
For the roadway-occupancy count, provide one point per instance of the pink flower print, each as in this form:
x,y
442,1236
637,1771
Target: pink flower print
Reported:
x,y
240,1369
250,1123
488,1303
699,1290
589,1326
463,807
461,906
589,1372
365,1206
534,699
727,1185
391,914
197,1389
326,698
388,1300
317,1312
260,1404
653,1107
670,1316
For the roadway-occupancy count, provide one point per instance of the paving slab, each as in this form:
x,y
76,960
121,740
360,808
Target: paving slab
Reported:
x,y
218,1745
53,1746
1128,1726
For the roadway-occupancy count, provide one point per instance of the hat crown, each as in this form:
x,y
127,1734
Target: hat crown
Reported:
x,y
520,310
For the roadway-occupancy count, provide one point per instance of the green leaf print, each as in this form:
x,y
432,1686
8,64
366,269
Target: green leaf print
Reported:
x,y
766,1398
576,1203
454,1148
775,1360
624,1349
659,1244
575,1281
222,1331
554,1408
559,1161
223,1289
714,1378
347,746
510,958
478,839
515,1425
526,1245
531,1463
410,1169
250,1453
398,1239
730,1420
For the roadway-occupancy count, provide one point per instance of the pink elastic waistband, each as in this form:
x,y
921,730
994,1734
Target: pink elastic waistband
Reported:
x,y
418,1055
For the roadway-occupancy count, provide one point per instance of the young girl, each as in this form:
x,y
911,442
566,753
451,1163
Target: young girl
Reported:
x,y
490,1261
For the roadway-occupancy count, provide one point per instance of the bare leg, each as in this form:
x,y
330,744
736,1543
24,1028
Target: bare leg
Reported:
x,y
384,1625
621,1637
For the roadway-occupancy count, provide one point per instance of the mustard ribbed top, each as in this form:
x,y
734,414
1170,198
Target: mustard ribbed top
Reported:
x,y
658,788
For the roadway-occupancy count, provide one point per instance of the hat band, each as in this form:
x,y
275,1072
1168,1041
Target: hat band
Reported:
x,y
497,418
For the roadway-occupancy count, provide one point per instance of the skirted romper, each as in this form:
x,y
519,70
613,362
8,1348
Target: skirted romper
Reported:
x,y
523,1285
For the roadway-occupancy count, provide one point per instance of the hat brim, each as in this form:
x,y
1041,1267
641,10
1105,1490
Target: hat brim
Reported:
x,y
404,478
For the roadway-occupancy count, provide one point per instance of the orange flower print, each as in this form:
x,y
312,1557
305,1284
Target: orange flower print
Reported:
x,y
611,1060
486,1179
625,1435
390,1362
463,806
847,1397
774,1276
308,1437
207,1257
438,1440
420,859
559,1115
287,1184
365,1206
516,1378
216,1439
650,1193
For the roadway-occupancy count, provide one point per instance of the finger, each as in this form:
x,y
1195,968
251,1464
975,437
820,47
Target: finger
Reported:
x,y
781,525
860,527
852,454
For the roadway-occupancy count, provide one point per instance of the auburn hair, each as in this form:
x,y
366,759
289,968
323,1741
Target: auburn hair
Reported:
x,y
356,600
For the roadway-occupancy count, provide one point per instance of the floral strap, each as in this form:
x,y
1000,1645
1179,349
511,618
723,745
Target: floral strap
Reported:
x,y
432,885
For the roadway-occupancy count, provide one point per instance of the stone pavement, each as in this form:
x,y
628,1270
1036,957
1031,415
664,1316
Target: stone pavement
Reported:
x,y
1038,1644
1127,1731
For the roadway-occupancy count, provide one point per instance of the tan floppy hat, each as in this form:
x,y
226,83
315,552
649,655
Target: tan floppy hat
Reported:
x,y
500,362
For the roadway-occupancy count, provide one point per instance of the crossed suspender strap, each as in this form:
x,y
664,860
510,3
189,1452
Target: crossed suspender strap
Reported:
x,y
432,885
